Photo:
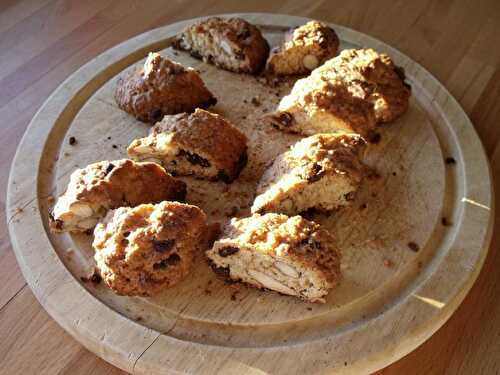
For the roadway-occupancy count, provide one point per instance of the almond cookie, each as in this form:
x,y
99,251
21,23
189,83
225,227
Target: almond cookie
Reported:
x,y
111,184
305,48
232,44
140,251
322,172
201,144
353,92
161,87
290,255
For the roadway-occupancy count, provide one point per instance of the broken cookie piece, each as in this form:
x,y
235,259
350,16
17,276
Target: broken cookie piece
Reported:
x,y
352,92
290,255
141,251
101,186
305,48
229,43
202,144
322,172
161,87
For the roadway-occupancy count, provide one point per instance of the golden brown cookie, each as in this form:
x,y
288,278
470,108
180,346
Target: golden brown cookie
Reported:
x,y
143,250
305,48
229,43
322,172
202,144
111,184
161,87
351,92
290,255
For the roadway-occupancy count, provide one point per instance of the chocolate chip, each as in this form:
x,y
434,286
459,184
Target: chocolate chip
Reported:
x,y
228,250
96,278
450,160
194,159
170,261
109,168
155,114
72,141
350,196
374,138
413,246
315,173
163,246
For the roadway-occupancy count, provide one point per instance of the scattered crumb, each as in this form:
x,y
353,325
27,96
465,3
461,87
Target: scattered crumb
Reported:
x,y
345,363
374,195
445,222
175,53
450,160
374,138
72,141
114,146
66,154
309,309
394,173
255,101
413,246
243,117
388,263
69,250
363,206
245,101
233,295
18,210
109,137
139,319
207,292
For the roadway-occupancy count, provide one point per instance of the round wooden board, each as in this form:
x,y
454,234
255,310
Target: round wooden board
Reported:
x,y
391,298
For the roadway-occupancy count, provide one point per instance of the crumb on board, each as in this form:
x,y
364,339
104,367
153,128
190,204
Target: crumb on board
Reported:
x,y
139,319
114,146
450,160
109,137
234,295
72,141
256,101
445,222
309,309
363,206
388,263
413,246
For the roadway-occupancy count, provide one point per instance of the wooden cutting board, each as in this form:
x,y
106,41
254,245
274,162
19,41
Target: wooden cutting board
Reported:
x,y
413,242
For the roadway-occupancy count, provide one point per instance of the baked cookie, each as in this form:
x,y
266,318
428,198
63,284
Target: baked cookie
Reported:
x,y
229,43
140,251
111,184
322,171
201,144
161,87
305,48
290,255
352,92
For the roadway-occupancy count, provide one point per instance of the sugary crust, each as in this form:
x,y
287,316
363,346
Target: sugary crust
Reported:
x,y
145,249
305,48
229,43
310,160
161,87
203,134
301,241
112,184
351,92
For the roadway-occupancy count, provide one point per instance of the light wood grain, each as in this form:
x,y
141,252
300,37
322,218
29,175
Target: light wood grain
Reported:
x,y
413,28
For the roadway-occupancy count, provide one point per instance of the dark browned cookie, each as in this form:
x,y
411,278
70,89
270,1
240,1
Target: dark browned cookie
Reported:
x,y
229,43
202,144
141,251
161,87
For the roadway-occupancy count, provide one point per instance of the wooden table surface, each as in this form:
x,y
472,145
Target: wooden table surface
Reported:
x,y
43,41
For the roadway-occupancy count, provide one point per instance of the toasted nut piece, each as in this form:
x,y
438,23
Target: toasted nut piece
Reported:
x,y
310,62
81,209
286,269
268,282
87,223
